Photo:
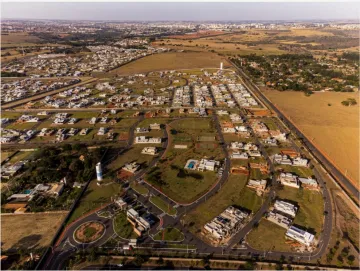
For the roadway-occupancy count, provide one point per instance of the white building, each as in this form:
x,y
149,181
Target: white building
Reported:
x,y
149,150
289,179
300,235
285,208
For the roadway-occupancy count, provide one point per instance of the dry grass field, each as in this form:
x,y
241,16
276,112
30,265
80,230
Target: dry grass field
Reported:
x,y
172,61
29,230
333,127
18,39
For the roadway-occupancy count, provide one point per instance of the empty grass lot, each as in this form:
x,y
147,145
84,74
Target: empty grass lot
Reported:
x,y
94,197
162,205
139,188
233,192
169,234
171,61
123,227
268,236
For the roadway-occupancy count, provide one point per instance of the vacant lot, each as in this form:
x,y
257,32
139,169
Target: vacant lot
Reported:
x,y
172,61
233,193
334,128
29,230
17,39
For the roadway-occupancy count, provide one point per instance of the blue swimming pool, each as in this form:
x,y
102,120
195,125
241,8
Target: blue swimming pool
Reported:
x,y
27,191
191,164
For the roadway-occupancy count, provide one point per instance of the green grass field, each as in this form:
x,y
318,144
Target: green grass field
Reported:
x,y
268,236
162,205
233,192
169,234
139,188
94,197
122,227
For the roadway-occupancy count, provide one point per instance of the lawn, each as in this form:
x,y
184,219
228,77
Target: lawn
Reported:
x,y
5,155
123,227
268,236
162,205
20,156
94,197
139,188
169,234
232,193
311,207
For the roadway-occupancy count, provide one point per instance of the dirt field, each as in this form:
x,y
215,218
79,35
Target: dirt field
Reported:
x,y
172,61
335,128
29,230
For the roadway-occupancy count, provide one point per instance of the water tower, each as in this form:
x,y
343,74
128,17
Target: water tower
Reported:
x,y
99,172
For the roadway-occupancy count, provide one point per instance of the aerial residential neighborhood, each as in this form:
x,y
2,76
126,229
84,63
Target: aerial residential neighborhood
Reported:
x,y
144,138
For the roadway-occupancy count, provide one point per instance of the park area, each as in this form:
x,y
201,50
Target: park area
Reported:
x,y
332,127
29,230
170,177
233,193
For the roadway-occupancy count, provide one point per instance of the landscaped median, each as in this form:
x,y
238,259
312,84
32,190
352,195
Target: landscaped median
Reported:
x,y
162,205
123,227
169,234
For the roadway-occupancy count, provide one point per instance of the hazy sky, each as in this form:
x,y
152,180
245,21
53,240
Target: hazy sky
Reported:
x,y
181,11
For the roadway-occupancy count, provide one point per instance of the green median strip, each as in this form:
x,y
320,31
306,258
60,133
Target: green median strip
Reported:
x,y
167,208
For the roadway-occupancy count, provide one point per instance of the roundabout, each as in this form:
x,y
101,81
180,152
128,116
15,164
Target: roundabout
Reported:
x,y
89,232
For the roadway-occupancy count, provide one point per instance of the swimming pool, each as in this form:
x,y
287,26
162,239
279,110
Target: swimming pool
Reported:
x,y
27,191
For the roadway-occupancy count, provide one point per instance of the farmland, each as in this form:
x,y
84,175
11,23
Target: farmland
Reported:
x,y
32,230
318,117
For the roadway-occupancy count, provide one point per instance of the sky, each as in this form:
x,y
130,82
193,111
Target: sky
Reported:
x,y
172,11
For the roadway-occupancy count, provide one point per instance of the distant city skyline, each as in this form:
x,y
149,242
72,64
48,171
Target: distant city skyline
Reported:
x,y
171,11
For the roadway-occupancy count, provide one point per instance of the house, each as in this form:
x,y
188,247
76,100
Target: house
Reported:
x,y
309,183
149,150
93,120
155,126
285,208
282,159
57,189
140,130
258,185
288,179
84,131
226,224
139,224
239,155
102,131
279,219
147,140
301,162
131,167
301,236
210,165
121,204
